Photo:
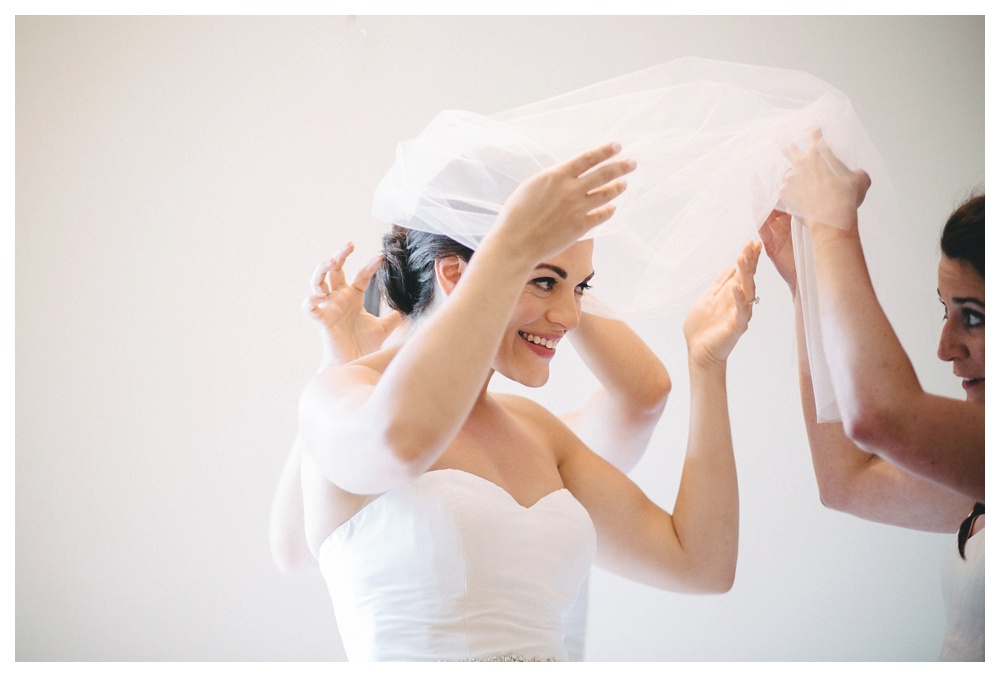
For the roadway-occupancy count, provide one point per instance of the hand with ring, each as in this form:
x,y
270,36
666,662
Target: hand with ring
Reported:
x,y
722,314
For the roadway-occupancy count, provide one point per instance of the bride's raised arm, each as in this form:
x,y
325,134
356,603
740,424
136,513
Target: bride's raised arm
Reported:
x,y
694,548
370,428
618,420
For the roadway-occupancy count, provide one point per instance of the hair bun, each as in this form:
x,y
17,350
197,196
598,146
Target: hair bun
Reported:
x,y
406,275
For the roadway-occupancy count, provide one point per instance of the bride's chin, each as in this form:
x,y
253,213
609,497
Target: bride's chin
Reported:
x,y
533,379
537,383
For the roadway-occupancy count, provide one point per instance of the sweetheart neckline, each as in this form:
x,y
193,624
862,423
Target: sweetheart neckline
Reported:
x,y
494,484
509,498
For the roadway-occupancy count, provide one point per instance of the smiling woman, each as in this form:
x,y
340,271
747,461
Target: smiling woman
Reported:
x,y
452,523
178,180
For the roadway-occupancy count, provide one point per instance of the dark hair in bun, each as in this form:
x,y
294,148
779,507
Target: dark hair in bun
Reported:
x,y
406,276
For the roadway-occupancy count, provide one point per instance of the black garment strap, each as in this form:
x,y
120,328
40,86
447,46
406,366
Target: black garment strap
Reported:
x,y
963,531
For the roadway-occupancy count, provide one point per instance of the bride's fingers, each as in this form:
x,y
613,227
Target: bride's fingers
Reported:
x,y
604,194
600,177
364,276
747,266
591,158
337,262
318,281
753,254
312,303
597,216
720,281
324,278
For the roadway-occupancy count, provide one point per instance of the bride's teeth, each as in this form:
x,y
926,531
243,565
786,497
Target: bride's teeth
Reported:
x,y
539,341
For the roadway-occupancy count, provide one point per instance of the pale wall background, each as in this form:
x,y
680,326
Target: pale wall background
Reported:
x,y
177,179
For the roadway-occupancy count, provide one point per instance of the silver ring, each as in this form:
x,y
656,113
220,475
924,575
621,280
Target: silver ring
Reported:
x,y
756,299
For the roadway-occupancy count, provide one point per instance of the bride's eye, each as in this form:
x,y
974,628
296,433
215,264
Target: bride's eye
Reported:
x,y
544,283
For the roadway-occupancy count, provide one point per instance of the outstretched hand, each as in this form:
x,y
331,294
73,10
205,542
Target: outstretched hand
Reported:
x,y
776,236
557,206
820,188
348,331
718,319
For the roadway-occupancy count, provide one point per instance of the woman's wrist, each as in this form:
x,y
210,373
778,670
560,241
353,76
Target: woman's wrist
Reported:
x,y
504,260
706,365
839,214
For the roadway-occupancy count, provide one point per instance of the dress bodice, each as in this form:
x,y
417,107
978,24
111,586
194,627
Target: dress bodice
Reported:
x,y
964,583
451,567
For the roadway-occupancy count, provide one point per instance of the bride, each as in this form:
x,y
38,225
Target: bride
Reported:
x,y
466,521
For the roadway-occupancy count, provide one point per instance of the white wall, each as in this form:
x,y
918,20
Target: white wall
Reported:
x,y
177,179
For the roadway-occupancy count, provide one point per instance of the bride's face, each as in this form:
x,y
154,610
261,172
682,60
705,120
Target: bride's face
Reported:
x,y
963,336
548,308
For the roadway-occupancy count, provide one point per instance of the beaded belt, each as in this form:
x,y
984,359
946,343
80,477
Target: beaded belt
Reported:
x,y
511,658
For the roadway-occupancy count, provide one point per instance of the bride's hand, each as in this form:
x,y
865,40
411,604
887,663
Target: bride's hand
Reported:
x,y
347,330
557,206
718,319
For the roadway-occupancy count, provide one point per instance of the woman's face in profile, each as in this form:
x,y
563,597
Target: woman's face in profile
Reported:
x,y
963,336
548,308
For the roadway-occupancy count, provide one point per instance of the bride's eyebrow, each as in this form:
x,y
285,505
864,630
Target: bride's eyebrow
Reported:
x,y
555,269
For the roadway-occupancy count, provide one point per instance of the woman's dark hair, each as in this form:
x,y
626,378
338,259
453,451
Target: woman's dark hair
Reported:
x,y
406,276
964,235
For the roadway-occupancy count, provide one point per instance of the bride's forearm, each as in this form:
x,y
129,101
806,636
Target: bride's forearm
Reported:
x,y
428,389
706,515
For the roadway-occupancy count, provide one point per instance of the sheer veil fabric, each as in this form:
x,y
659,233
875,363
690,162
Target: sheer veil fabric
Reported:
x,y
709,140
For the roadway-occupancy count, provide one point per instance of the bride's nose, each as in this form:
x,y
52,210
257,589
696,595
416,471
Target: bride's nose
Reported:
x,y
564,310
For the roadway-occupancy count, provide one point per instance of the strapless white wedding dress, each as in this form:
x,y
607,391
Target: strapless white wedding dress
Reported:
x,y
451,567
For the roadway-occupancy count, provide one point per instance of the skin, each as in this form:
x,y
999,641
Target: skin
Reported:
x,y
424,405
524,449
346,333
851,478
963,337
885,411
405,408
616,422
627,406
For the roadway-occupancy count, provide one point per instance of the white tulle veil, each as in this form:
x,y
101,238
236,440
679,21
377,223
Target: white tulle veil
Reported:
x,y
708,137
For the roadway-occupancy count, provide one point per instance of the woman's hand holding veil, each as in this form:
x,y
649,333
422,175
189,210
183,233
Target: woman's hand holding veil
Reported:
x,y
557,206
820,189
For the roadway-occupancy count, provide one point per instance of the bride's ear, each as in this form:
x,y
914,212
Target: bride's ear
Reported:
x,y
448,271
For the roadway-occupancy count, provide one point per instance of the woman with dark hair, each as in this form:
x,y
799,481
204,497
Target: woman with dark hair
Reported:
x,y
616,422
901,455
466,521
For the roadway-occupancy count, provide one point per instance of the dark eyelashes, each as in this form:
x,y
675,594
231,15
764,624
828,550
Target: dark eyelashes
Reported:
x,y
548,283
972,318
